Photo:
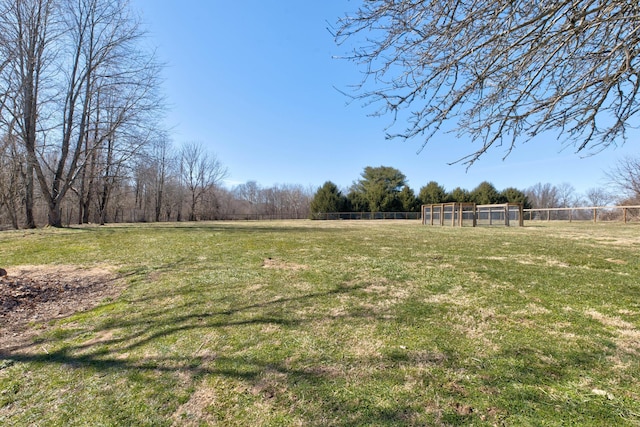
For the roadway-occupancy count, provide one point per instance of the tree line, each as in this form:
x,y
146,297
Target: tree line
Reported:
x,y
81,138
161,182
78,102
385,189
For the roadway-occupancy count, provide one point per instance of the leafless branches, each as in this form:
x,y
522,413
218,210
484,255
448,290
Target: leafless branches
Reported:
x,y
625,176
502,71
200,172
77,88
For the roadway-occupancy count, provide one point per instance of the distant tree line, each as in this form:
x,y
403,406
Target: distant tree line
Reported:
x,y
385,189
161,182
81,139
158,183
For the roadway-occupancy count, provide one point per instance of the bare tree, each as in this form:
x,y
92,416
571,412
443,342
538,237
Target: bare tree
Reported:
x,y
567,197
154,178
297,201
201,172
172,198
119,99
543,196
162,160
143,183
6,56
501,71
277,201
29,34
625,176
598,196
249,193
227,204
11,178
271,202
289,201
76,78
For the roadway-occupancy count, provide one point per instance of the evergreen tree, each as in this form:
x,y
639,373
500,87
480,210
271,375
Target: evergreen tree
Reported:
x,y
408,201
459,195
485,193
378,189
433,193
356,201
328,198
513,195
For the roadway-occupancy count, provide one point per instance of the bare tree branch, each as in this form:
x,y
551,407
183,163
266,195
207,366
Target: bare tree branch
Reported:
x,y
75,81
201,171
625,176
502,71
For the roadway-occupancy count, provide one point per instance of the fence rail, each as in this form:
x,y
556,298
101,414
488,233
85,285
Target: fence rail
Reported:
x,y
588,213
366,215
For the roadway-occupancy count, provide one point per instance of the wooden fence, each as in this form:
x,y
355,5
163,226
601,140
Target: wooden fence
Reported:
x,y
366,215
470,214
589,213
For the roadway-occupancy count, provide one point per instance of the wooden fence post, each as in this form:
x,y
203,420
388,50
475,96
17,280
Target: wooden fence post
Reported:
x,y
506,215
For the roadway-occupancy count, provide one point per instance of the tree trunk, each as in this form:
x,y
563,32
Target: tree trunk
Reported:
x,y
30,221
158,205
192,213
104,201
55,217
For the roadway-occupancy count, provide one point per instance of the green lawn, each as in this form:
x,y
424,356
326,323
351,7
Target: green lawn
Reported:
x,y
336,323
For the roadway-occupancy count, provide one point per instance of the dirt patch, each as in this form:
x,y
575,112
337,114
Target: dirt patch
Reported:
x,y
37,294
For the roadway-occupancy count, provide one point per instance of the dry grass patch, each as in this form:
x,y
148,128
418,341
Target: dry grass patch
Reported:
x,y
532,309
456,295
277,264
194,411
627,337
478,326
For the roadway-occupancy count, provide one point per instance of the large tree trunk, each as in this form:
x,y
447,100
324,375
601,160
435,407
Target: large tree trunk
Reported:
x,y
158,205
55,217
30,221
104,201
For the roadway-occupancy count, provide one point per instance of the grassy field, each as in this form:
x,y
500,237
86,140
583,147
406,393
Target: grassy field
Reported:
x,y
336,323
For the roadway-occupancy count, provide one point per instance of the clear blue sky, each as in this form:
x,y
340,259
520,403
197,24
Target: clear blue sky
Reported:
x,y
254,81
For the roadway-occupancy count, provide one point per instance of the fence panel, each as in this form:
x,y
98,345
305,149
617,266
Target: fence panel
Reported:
x,y
366,215
588,213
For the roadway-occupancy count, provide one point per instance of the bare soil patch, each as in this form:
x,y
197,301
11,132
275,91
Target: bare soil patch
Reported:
x,y
35,295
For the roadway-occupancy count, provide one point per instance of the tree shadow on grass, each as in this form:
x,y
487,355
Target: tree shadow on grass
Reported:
x,y
105,351
358,390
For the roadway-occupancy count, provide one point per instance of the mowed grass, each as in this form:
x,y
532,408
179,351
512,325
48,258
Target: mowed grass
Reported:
x,y
336,323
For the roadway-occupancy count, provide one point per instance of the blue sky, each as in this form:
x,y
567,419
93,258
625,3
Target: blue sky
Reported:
x,y
255,82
